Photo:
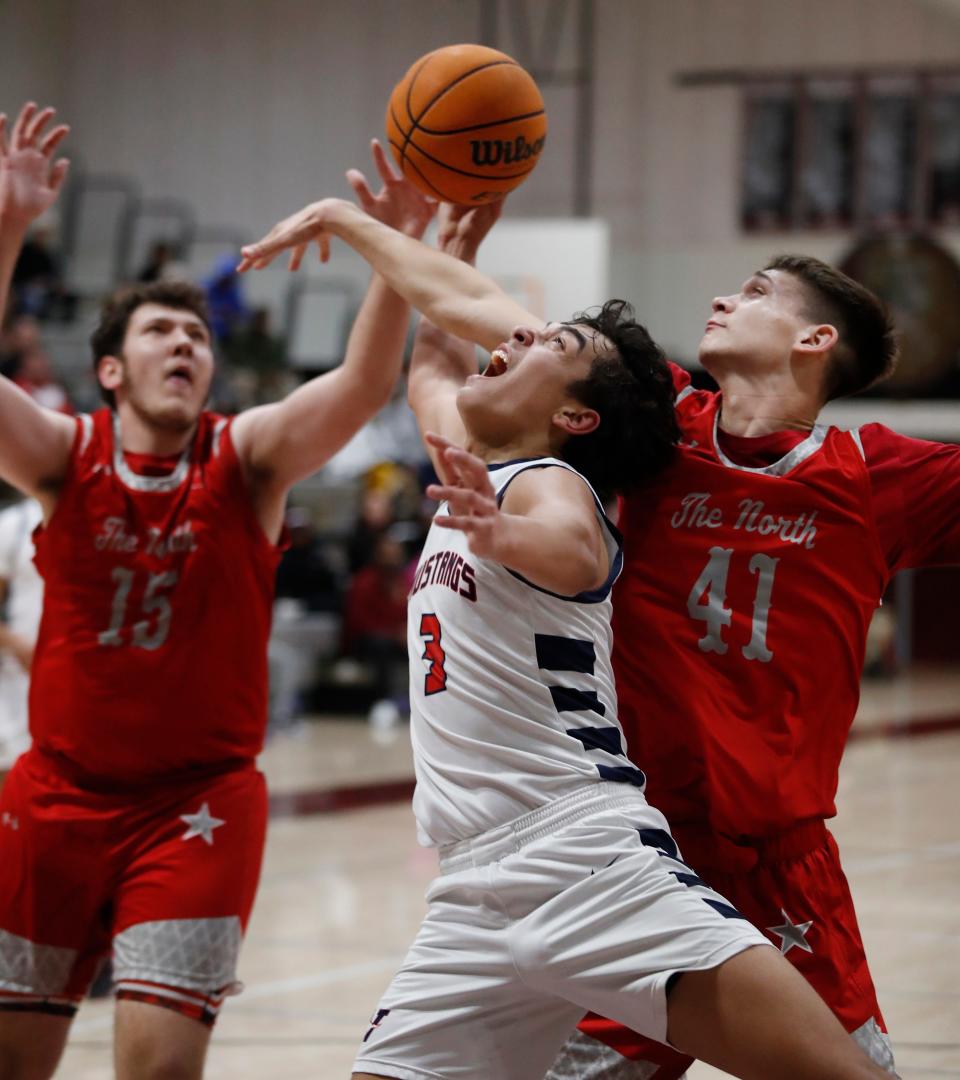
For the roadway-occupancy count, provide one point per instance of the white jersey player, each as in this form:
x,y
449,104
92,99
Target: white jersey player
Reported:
x,y
560,888
550,728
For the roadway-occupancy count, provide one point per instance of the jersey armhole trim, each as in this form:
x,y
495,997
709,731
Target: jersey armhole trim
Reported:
x,y
593,596
855,435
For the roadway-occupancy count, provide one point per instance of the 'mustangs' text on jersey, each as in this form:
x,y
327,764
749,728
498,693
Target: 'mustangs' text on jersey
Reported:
x,y
511,686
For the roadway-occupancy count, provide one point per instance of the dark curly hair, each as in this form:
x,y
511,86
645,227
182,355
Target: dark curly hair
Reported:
x,y
108,337
632,391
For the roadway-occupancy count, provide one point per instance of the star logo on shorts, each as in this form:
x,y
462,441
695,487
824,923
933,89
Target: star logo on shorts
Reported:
x,y
202,823
791,934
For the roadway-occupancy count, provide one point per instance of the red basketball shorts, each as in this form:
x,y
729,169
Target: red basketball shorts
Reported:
x,y
167,877
797,894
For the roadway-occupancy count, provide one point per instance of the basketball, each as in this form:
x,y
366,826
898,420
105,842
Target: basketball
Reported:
x,y
466,124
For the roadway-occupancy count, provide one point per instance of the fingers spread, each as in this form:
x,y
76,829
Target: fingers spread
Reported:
x,y
455,521
438,441
4,149
23,121
33,129
471,468
58,174
361,189
385,169
53,139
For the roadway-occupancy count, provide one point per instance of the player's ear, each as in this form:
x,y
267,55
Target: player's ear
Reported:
x,y
110,372
818,338
576,419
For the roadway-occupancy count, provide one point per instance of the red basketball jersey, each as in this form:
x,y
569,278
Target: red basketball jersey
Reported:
x,y
151,660
740,626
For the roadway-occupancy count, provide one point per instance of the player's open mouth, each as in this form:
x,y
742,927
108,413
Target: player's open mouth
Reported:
x,y
497,366
180,376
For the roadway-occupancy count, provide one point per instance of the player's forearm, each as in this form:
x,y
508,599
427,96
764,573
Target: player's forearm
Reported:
x,y
548,554
454,296
438,358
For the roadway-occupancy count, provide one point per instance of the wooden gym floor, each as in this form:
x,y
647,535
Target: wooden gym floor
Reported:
x,y
341,894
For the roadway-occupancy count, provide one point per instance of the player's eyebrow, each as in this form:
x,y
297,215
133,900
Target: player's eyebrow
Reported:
x,y
761,275
578,336
188,323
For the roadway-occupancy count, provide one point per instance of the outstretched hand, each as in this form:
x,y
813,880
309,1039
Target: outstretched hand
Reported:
x,y
462,228
465,486
296,232
29,183
398,203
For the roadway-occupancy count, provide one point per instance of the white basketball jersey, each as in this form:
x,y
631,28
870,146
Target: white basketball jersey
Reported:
x,y
511,688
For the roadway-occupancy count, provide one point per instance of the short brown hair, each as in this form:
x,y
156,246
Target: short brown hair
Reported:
x,y
107,338
866,350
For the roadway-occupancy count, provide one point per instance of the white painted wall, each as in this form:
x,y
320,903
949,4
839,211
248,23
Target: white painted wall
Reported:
x,y
248,108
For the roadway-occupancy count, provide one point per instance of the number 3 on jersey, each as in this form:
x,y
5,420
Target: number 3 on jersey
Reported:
x,y
707,602
436,678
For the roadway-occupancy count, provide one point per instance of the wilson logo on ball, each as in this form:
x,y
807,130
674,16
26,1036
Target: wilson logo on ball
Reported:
x,y
466,124
489,152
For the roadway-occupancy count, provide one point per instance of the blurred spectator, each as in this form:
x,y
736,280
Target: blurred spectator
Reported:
x,y
37,285
21,592
259,361
376,516
33,373
375,616
391,436
228,308
19,335
306,621
305,573
160,262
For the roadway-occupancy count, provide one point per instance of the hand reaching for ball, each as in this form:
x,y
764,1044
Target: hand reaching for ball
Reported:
x,y
462,228
398,203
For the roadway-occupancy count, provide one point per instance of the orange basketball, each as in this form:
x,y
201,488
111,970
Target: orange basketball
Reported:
x,y
466,124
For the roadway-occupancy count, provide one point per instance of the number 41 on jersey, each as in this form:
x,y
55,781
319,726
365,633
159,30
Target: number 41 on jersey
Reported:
x,y
707,603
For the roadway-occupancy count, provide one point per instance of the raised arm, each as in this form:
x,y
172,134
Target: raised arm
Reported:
x,y
282,443
441,363
34,442
453,296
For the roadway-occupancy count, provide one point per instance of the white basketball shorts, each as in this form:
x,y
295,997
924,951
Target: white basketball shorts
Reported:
x,y
584,904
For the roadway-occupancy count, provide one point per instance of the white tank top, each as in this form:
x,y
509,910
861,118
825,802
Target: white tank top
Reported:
x,y
511,687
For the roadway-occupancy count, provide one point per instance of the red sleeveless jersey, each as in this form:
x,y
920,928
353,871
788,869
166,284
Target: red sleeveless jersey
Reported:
x,y
740,626
151,660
